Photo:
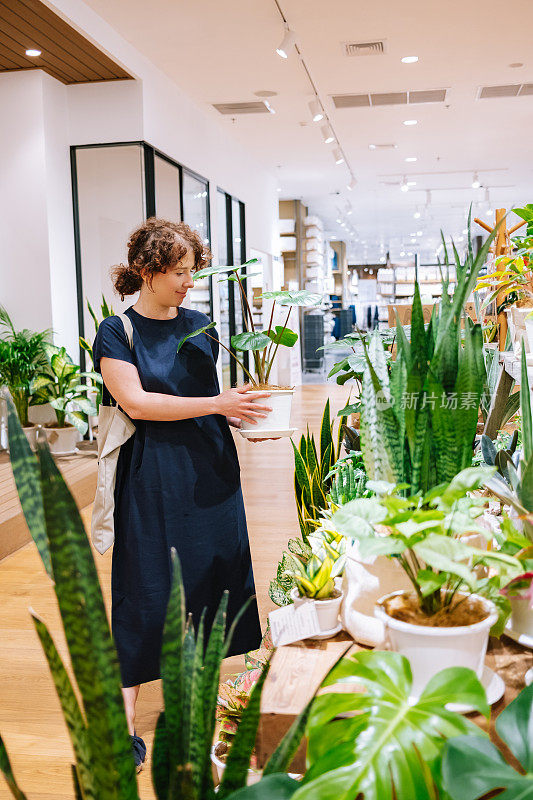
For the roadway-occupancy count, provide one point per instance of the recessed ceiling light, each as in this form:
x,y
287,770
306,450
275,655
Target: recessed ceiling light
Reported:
x,y
279,188
287,43
33,53
410,122
338,221
411,183
371,146
402,253
417,215
265,93
476,183
411,159
516,65
419,233
409,59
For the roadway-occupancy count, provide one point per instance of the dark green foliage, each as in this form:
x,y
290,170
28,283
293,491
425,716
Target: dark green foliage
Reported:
x,y
5,767
473,766
418,424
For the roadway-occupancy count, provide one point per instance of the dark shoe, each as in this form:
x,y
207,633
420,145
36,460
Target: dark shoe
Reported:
x,y
139,751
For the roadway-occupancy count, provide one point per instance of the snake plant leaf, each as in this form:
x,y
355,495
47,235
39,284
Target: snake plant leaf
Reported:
x,y
325,430
76,781
93,655
172,665
215,270
5,766
525,404
388,746
188,655
273,787
250,340
27,480
160,759
283,336
71,710
296,297
193,334
302,475
238,761
473,766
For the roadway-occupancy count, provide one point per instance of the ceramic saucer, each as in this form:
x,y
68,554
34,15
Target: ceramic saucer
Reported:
x,y
258,434
327,634
520,638
494,688
529,677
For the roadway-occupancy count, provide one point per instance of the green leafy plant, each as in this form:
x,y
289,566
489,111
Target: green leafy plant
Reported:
x,y
499,456
513,277
317,579
311,484
262,344
515,487
22,356
94,710
384,746
424,533
348,479
473,767
106,311
61,387
418,424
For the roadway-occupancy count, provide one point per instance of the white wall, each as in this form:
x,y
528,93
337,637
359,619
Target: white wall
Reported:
x,y
35,196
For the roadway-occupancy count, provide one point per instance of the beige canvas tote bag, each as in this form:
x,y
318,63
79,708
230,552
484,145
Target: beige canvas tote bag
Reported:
x,y
114,428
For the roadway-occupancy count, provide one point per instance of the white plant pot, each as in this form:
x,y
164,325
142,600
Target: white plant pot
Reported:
x,y
62,441
429,650
529,331
327,610
254,776
30,432
279,419
521,620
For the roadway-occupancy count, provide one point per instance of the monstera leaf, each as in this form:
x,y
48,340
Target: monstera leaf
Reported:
x,y
389,746
473,766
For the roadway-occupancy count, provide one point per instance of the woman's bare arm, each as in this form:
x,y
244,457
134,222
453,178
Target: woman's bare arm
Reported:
x,y
123,382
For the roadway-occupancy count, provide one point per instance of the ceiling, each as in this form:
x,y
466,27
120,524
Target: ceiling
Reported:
x,y
65,53
225,53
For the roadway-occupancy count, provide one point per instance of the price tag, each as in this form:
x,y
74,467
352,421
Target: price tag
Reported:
x,y
291,624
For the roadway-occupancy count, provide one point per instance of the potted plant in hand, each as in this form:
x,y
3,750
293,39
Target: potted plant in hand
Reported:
x,y
446,617
61,387
22,356
263,345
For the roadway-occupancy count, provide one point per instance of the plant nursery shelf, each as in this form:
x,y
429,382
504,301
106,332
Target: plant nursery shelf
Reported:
x,y
78,470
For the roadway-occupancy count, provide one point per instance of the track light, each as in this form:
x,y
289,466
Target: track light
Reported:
x,y
476,183
288,41
338,156
417,214
316,110
327,134
404,186
351,186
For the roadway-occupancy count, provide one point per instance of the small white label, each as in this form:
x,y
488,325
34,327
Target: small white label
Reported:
x,y
291,624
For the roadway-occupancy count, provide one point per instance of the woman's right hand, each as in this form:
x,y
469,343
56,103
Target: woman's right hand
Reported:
x,y
238,403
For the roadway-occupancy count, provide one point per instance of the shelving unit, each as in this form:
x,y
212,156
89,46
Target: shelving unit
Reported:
x,y
396,283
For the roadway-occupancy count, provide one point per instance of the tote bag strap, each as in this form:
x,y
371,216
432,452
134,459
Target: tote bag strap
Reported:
x,y
128,329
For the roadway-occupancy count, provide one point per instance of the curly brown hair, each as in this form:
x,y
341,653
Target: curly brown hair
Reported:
x,y
153,247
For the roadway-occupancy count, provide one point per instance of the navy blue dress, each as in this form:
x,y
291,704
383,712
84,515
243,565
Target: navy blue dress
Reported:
x,y
178,485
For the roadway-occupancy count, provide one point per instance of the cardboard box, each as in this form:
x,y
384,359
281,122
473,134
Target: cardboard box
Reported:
x,y
296,672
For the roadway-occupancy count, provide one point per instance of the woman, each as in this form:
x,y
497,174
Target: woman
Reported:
x,y
178,481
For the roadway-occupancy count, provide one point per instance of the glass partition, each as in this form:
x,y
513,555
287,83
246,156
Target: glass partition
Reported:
x,y
167,189
224,327
196,214
110,196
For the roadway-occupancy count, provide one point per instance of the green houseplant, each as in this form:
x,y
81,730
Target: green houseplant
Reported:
x,y
61,386
474,768
104,768
106,311
263,345
22,357
438,544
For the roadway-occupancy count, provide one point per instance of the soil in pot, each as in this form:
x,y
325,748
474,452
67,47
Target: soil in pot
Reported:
x,y
222,752
265,387
461,611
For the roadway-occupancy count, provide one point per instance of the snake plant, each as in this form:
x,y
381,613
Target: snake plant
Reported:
x,y
418,424
106,311
92,701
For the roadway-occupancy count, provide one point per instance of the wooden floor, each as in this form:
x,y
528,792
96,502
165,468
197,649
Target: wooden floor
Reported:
x,y
31,722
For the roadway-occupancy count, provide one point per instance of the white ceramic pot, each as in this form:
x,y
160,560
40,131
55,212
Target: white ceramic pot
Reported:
x,y
279,419
327,610
30,432
62,441
431,649
521,620
529,331
254,776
